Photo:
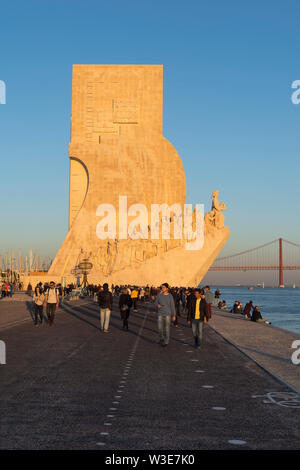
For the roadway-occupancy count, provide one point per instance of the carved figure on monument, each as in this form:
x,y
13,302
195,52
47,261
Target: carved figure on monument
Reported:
x,y
215,217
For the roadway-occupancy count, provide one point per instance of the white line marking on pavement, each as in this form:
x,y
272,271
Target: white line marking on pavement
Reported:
x,y
218,408
207,386
237,442
123,381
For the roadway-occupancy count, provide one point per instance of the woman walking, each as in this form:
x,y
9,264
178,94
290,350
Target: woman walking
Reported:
x,y
125,303
38,305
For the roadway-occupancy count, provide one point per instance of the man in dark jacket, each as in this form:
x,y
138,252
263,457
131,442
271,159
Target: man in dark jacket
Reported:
x,y
198,310
256,316
105,304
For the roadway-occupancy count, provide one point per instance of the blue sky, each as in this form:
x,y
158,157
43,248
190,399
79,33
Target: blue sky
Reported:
x,y
228,70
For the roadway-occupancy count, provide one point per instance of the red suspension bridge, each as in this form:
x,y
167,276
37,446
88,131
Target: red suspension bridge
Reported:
x,y
278,255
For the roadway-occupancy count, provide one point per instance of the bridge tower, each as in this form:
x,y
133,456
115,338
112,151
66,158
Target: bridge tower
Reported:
x,y
281,284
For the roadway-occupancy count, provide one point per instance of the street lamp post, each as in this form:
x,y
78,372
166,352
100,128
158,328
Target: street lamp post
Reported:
x,y
85,266
76,272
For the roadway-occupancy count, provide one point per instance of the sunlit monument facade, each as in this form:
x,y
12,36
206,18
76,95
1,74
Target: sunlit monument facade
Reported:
x,y
118,155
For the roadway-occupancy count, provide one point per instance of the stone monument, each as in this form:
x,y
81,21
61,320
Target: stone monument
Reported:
x,y
118,155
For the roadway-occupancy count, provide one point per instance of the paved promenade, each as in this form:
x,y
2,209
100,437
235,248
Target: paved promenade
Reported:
x,y
267,345
73,387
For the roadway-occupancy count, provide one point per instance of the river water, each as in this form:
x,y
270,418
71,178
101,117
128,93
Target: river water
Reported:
x,y
280,306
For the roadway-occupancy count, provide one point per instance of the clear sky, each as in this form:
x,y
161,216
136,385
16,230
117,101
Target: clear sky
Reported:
x,y
228,70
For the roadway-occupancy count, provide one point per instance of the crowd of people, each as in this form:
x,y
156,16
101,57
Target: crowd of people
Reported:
x,y
8,288
170,303
249,311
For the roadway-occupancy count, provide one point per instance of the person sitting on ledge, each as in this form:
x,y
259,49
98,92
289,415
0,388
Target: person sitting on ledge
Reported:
x,y
247,309
222,305
256,316
236,307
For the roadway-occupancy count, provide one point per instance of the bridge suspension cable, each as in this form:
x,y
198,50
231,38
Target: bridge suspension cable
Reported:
x,y
279,254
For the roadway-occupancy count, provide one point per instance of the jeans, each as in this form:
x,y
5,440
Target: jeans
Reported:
x,y
104,318
50,310
38,310
197,328
209,310
164,325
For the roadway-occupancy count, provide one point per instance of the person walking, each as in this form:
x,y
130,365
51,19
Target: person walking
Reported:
x,y
165,306
217,296
51,302
38,299
105,304
147,293
125,303
142,294
29,289
3,291
153,293
134,296
209,300
8,290
175,298
198,311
